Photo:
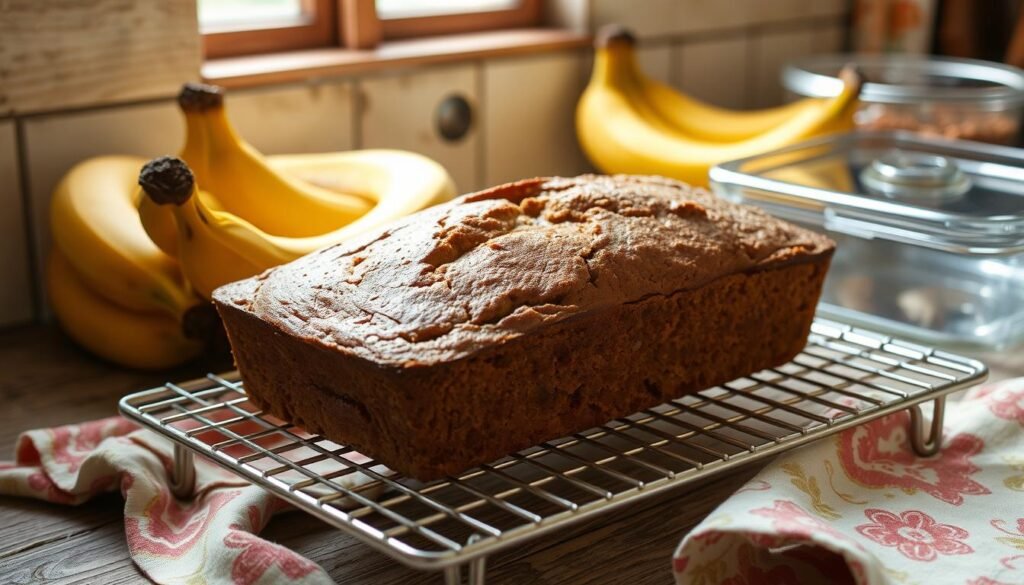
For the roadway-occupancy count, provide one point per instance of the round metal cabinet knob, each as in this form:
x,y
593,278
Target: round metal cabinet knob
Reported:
x,y
454,118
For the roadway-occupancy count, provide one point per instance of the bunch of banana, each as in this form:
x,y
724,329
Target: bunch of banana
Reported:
x,y
627,122
250,212
132,271
111,288
237,178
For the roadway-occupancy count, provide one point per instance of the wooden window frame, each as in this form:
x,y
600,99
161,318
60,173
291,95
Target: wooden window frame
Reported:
x,y
321,31
354,24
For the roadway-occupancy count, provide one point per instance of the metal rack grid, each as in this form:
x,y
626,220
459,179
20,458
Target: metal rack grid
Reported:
x,y
844,377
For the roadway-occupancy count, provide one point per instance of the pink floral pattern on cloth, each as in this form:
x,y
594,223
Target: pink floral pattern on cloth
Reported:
x,y
915,534
209,539
863,508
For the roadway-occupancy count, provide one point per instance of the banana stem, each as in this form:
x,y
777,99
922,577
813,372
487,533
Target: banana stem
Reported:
x,y
852,77
613,33
615,59
199,97
167,180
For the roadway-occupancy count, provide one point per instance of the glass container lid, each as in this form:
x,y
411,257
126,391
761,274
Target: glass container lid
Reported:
x,y
911,79
958,196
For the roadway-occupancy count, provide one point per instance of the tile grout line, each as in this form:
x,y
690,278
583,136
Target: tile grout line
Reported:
x,y
356,91
480,127
676,73
754,39
89,108
27,209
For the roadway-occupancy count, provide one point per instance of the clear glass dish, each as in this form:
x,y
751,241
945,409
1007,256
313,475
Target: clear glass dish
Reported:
x,y
934,96
930,232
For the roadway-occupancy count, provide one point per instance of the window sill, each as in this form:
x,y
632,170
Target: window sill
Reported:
x,y
301,65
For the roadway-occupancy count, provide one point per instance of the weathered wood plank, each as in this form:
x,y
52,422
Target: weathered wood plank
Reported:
x,y
49,381
72,53
29,524
95,555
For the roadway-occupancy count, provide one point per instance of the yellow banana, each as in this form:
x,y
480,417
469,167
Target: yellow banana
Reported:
x,y
128,338
240,178
157,220
224,163
712,123
688,115
617,129
217,247
95,224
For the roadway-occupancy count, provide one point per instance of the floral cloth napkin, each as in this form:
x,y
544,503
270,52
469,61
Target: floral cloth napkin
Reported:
x,y
862,508
209,539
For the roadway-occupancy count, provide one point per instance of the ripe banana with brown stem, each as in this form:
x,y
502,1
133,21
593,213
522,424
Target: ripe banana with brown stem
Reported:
x,y
235,177
216,247
158,221
625,126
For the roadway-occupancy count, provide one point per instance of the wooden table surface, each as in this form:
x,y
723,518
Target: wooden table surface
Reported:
x,y
46,381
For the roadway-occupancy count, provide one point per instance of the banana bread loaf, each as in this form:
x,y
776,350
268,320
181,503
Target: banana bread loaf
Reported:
x,y
520,314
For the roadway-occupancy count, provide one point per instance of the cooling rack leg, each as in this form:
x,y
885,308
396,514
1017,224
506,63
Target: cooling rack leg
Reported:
x,y
477,571
183,473
453,575
926,442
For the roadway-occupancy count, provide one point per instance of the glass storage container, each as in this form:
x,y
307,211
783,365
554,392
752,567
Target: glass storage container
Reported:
x,y
963,99
930,232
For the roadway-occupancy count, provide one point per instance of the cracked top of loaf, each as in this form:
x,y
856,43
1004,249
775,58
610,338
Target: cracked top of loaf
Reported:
x,y
487,267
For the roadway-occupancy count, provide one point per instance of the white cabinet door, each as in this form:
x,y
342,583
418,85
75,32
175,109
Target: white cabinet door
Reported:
x,y
307,117
529,122
400,111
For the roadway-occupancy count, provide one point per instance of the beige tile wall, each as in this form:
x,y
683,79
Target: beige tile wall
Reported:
x,y
771,51
715,70
656,60
724,51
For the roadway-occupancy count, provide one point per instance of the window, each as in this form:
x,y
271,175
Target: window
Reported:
x,y
391,9
241,27
416,18
225,15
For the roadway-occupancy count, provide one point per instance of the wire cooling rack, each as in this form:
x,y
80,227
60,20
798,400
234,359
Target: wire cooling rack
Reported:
x,y
844,377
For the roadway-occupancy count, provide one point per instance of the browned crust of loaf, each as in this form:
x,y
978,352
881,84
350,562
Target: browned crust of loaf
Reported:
x,y
434,421
460,277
